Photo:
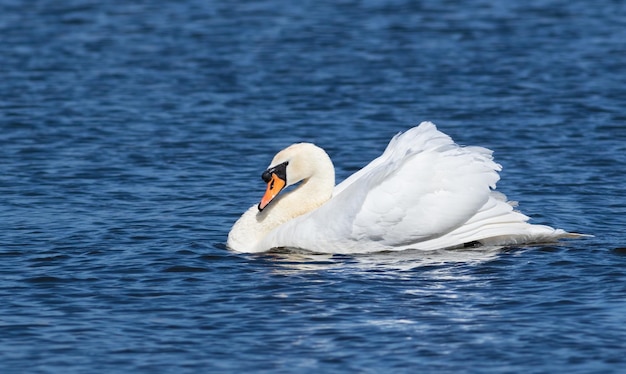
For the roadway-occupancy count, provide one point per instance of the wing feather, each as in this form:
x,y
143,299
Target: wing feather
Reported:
x,y
422,187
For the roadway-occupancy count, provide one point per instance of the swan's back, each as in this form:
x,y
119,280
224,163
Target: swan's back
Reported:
x,y
423,192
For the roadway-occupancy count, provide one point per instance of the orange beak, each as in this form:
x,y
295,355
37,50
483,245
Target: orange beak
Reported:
x,y
274,186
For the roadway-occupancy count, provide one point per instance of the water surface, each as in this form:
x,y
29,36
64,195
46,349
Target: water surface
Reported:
x,y
133,136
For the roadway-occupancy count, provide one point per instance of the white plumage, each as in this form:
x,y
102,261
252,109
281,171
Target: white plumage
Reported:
x,y
424,192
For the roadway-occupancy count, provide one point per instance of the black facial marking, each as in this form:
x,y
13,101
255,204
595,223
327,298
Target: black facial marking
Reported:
x,y
280,170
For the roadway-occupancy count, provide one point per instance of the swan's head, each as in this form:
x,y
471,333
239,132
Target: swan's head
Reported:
x,y
293,164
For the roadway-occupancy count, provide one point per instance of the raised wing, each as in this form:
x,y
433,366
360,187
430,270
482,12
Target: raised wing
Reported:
x,y
425,187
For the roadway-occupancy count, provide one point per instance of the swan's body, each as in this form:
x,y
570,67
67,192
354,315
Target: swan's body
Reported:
x,y
424,192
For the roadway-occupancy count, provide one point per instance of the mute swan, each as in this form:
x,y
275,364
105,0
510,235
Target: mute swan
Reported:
x,y
424,192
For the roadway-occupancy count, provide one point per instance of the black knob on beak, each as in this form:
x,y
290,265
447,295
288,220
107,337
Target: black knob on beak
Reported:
x,y
266,176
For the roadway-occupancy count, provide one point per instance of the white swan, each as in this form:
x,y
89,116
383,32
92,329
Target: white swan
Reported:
x,y
424,192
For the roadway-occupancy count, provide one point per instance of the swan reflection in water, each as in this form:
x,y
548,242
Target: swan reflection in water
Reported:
x,y
295,261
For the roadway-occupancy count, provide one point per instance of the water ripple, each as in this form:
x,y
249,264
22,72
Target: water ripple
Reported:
x,y
133,136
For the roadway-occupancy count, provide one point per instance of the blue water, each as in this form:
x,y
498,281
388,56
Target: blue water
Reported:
x,y
133,134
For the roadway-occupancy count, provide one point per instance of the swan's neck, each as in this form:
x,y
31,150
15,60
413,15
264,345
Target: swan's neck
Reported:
x,y
307,196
